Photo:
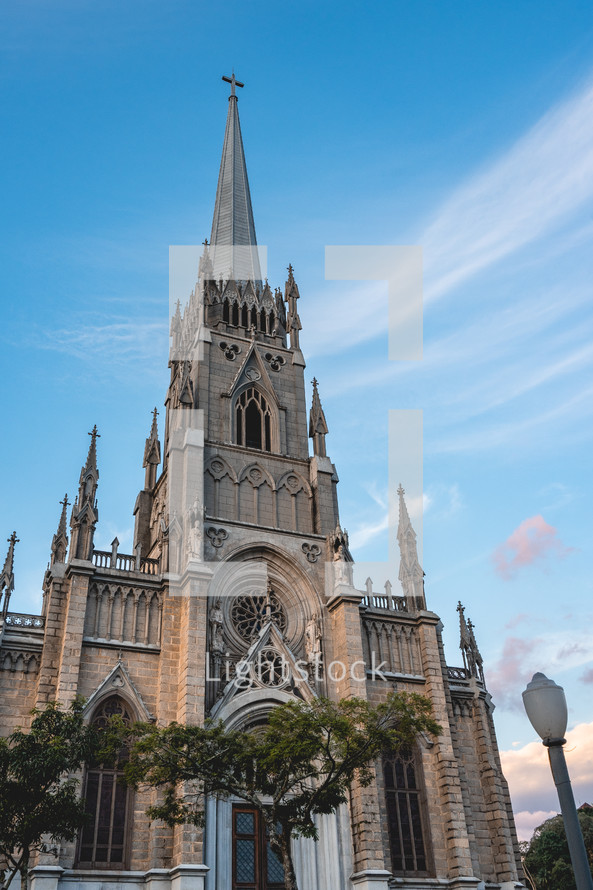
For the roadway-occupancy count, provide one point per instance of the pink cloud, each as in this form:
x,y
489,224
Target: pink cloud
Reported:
x,y
520,658
517,619
526,822
527,771
511,672
532,541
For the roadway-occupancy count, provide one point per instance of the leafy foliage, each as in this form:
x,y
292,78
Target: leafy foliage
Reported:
x,y
38,798
546,857
301,763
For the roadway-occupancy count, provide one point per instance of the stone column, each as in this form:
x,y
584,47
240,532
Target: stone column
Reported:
x,y
349,664
447,778
324,480
496,793
78,573
47,675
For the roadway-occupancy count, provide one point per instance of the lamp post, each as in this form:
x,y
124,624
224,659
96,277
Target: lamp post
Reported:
x,y
545,705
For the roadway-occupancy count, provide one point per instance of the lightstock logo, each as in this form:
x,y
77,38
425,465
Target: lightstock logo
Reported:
x,y
243,597
272,669
400,266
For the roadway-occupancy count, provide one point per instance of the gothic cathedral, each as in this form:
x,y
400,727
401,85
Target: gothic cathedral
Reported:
x,y
239,595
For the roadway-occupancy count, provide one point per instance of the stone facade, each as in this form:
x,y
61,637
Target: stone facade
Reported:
x,y
239,560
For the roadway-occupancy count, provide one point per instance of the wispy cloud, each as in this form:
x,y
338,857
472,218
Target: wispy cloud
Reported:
x,y
366,532
559,495
543,179
117,341
533,189
520,658
443,501
531,542
516,620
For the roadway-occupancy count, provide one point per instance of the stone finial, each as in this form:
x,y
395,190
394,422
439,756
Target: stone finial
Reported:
x,y
152,453
176,320
91,460
205,269
411,574
59,544
7,576
84,512
317,423
293,322
472,659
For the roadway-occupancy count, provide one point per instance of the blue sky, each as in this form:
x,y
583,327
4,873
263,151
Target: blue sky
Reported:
x,y
463,127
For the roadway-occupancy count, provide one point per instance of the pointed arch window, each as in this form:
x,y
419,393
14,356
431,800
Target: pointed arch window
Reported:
x,y
235,314
405,818
226,315
253,420
244,316
104,839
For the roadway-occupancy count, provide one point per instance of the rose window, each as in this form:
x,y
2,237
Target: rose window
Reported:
x,y
249,613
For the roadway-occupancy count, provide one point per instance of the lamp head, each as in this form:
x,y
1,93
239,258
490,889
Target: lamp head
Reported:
x,y
545,704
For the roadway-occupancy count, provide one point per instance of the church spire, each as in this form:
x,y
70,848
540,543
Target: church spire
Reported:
x,y
84,512
233,242
410,570
317,423
59,544
152,454
7,576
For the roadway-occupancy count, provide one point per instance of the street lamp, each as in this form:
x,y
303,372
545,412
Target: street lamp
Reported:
x,y
545,705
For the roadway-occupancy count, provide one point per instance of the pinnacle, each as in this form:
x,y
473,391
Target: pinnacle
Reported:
x,y
62,523
91,460
152,451
154,428
7,575
410,571
404,516
9,561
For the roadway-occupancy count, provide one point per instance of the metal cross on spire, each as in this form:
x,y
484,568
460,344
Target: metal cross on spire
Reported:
x,y
234,83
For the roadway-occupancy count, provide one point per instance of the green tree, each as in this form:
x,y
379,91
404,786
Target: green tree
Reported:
x,y
546,857
39,800
301,763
